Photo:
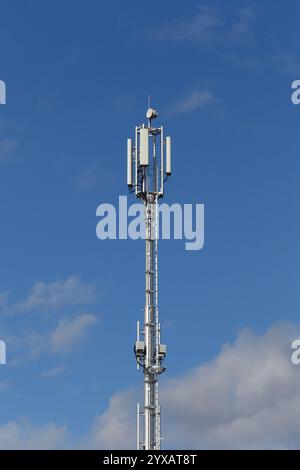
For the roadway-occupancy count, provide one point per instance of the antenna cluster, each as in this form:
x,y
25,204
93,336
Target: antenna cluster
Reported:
x,y
148,159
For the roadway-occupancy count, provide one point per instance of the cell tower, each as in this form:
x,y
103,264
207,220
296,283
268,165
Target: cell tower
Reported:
x,y
148,167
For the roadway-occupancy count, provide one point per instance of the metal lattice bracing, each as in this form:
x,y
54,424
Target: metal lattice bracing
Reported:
x,y
147,160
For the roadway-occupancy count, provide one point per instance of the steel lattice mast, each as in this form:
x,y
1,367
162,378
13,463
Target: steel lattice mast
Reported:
x,y
148,166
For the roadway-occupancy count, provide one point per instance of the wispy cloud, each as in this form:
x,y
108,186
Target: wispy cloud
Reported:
x,y
54,372
126,102
62,339
195,99
70,331
288,62
206,26
58,333
244,22
198,27
7,147
48,296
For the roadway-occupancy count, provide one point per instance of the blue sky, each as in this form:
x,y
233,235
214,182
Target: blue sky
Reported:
x,y
78,75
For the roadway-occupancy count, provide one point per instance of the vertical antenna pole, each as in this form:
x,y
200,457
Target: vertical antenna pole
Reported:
x,y
149,179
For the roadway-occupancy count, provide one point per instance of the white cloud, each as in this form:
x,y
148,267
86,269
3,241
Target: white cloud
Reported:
x,y
70,331
248,397
194,100
69,292
64,338
23,435
115,428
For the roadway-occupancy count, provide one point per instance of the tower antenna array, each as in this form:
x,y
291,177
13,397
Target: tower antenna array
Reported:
x,y
148,167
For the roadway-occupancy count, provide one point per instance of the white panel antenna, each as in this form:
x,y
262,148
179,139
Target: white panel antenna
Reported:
x,y
144,146
129,162
168,156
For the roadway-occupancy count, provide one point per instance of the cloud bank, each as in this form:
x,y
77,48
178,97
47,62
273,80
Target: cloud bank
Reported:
x,y
248,397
